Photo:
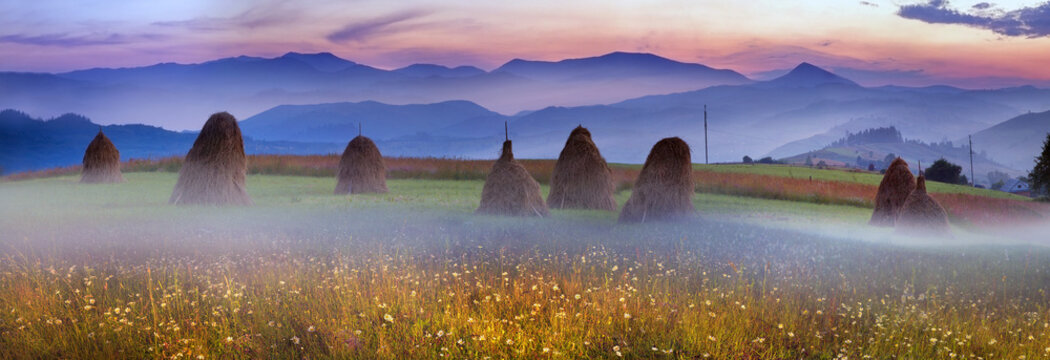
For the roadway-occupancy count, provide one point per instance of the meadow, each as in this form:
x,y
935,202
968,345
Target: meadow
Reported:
x,y
111,271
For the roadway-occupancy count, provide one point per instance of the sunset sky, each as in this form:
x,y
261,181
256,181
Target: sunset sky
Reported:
x,y
970,43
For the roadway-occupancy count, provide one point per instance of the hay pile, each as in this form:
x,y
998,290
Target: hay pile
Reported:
x,y
664,189
213,172
510,190
896,185
921,214
361,169
101,162
581,179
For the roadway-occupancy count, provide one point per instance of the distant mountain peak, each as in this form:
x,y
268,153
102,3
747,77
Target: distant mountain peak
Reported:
x,y
323,61
619,65
428,70
808,75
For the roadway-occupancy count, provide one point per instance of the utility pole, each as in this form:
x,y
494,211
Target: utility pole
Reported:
x,y
705,135
506,133
973,181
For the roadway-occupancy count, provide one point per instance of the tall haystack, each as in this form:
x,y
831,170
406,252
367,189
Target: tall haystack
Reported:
x,y
664,188
510,190
921,214
897,184
581,178
361,169
101,162
214,169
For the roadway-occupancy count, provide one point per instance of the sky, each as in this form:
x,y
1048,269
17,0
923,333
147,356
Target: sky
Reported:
x,y
967,43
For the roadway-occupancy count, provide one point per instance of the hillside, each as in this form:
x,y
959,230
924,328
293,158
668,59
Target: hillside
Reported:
x,y
1016,142
872,147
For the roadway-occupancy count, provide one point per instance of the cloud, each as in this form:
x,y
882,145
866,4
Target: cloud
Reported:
x,y
1028,21
256,17
67,40
361,30
869,3
982,6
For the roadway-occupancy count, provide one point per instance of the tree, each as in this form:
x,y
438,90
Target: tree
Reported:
x,y
748,160
996,176
886,161
998,185
945,172
822,164
766,160
1039,177
809,160
871,166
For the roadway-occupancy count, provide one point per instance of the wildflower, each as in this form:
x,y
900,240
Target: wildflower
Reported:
x,y
388,318
229,339
310,329
295,339
626,315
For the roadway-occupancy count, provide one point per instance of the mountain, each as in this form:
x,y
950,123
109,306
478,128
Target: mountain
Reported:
x,y
1017,141
619,65
321,61
431,70
338,122
28,143
807,75
177,95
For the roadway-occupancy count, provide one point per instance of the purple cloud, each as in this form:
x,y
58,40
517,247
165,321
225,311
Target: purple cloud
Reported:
x,y
66,40
361,30
256,17
1027,21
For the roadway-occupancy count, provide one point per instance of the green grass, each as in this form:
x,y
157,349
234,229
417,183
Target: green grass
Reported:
x,y
112,271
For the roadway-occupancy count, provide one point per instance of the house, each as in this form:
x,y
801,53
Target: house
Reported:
x,y
1017,186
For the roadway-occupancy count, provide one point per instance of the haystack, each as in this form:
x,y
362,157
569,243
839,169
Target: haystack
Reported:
x,y
510,190
361,169
664,189
581,178
214,169
896,185
921,214
101,162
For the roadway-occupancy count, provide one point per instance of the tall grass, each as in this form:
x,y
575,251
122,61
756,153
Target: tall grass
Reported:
x,y
85,273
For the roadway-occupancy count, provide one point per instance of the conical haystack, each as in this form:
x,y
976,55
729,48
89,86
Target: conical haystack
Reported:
x,y
101,162
361,169
581,178
921,214
214,169
664,189
897,184
510,190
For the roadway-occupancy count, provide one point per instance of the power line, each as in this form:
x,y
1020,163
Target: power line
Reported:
x,y
705,134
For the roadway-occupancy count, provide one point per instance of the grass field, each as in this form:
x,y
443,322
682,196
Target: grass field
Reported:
x,y
111,271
